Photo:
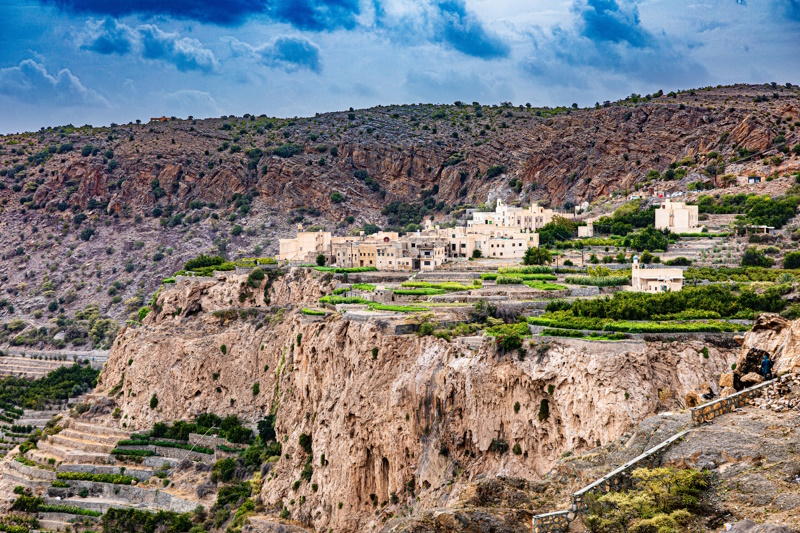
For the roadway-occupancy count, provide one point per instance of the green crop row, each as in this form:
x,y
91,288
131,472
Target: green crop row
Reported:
x,y
116,479
545,286
530,269
132,453
451,286
399,308
313,312
419,292
605,281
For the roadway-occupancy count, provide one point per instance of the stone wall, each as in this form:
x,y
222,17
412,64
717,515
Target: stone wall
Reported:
x,y
128,495
709,411
35,474
210,441
173,453
583,291
616,480
619,478
558,521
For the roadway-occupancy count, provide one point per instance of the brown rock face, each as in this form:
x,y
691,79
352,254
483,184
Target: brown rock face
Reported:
x,y
425,413
726,380
776,336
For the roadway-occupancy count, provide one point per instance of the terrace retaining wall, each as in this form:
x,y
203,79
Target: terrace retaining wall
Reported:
x,y
127,495
709,411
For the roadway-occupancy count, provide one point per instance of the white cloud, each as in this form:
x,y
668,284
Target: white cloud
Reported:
x,y
30,82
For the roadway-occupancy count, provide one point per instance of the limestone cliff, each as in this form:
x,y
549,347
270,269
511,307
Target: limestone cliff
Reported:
x,y
424,416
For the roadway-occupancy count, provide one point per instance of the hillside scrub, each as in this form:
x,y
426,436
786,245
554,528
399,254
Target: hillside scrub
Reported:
x,y
58,385
661,499
626,219
738,274
752,209
729,301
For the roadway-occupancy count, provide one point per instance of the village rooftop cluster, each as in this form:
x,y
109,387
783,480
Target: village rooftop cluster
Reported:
x,y
505,233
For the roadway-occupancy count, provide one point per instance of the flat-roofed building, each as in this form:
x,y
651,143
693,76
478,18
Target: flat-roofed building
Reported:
x,y
655,280
530,218
677,217
306,246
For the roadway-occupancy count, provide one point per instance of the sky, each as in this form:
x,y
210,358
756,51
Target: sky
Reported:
x,y
102,61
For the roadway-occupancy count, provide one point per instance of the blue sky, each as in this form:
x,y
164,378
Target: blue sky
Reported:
x,y
102,61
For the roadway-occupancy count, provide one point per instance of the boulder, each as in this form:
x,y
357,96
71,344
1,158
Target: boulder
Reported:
x,y
692,399
726,380
727,391
748,526
750,379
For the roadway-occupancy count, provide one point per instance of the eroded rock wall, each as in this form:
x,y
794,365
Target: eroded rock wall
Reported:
x,y
422,413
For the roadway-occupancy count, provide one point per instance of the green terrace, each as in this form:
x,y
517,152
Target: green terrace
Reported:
x,y
562,320
204,265
374,306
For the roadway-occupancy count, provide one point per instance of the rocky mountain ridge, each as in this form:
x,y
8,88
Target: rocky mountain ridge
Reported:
x,y
98,216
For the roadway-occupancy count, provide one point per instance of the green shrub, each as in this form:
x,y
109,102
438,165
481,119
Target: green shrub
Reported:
x,y
255,278
791,260
425,329
499,446
313,312
153,402
132,453
223,470
202,261
754,257
544,410
305,442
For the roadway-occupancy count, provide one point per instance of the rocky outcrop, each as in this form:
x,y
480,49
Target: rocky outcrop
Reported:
x,y
423,418
778,337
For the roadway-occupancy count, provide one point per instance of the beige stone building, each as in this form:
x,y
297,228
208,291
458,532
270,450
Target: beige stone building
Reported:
x,y
677,217
587,230
306,246
530,218
506,234
655,280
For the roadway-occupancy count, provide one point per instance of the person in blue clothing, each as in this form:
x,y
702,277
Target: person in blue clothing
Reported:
x,y
766,368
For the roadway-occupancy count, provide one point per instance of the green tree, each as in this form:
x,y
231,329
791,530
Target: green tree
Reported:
x,y
791,260
337,197
537,256
754,257
321,260
476,253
